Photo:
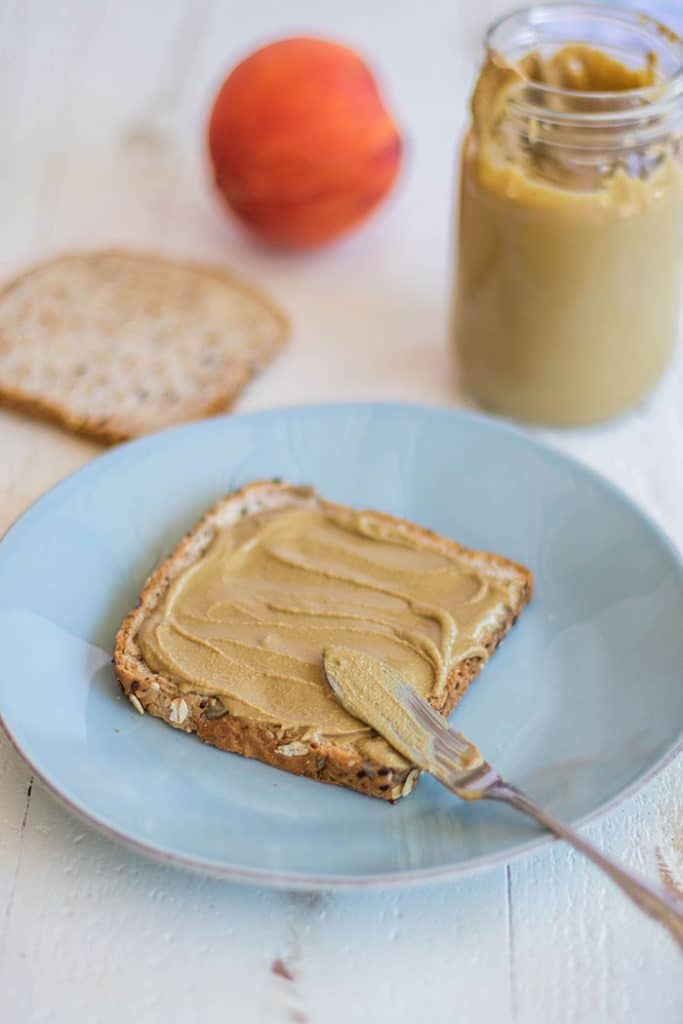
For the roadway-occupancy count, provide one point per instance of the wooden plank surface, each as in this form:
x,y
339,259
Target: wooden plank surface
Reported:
x,y
102,108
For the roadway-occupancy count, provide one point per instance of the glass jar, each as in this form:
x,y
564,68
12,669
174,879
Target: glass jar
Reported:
x,y
570,252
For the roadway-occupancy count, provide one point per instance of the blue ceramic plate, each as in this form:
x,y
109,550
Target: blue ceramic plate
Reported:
x,y
583,700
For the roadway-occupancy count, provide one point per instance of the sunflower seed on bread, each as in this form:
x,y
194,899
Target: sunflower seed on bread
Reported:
x,y
117,344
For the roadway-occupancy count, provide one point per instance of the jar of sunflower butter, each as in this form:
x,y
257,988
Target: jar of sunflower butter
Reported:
x,y
571,214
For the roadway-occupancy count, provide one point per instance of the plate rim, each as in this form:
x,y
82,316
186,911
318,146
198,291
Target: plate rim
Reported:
x,y
272,878
304,881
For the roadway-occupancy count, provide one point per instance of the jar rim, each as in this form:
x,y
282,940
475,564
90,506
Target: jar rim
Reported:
x,y
653,100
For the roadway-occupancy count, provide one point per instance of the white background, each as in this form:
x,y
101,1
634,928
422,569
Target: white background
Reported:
x,y
102,110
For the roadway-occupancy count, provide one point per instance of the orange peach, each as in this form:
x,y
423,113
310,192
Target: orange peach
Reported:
x,y
301,144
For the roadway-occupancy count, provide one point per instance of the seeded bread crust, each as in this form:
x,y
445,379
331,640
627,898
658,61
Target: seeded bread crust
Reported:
x,y
44,368
276,745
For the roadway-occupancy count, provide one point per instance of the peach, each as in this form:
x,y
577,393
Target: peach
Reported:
x,y
301,144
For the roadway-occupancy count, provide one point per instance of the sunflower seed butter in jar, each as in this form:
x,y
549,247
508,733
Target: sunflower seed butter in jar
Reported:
x,y
570,250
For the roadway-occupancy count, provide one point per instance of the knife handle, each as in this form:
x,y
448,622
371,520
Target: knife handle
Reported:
x,y
657,904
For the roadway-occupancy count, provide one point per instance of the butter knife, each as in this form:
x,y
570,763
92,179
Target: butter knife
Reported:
x,y
373,691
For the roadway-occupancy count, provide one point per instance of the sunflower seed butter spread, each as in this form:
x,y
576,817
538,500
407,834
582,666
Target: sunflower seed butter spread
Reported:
x,y
249,620
570,251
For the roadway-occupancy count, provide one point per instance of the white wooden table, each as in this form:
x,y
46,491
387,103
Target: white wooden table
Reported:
x,y
102,111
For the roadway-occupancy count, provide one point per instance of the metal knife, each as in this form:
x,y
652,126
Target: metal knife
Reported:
x,y
373,691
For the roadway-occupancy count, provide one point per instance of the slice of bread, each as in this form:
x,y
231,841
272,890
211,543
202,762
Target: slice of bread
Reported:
x,y
116,344
333,760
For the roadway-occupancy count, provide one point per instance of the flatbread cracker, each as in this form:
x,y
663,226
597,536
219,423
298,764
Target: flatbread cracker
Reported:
x,y
117,344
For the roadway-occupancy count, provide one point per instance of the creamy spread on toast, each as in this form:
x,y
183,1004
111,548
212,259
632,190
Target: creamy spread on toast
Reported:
x,y
374,691
249,620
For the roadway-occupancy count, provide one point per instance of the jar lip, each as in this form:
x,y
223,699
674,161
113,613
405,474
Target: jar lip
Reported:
x,y
655,99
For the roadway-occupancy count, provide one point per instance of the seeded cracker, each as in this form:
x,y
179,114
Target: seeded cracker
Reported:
x,y
332,760
117,344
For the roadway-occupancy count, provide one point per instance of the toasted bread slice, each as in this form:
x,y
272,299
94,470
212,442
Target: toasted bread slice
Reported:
x,y
329,760
116,344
